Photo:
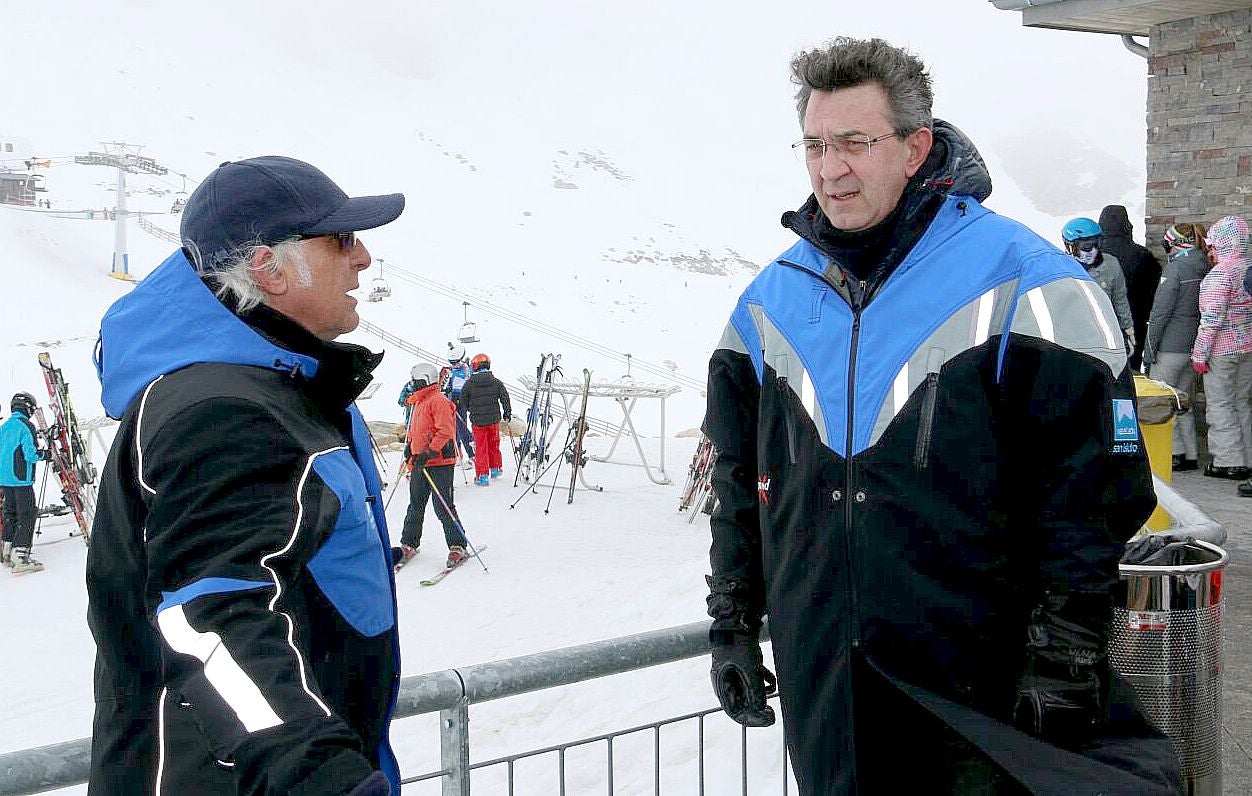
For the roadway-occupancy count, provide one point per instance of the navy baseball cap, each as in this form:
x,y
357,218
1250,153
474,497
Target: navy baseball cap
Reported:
x,y
270,199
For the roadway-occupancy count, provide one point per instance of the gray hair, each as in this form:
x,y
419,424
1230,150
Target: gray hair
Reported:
x,y
235,278
847,62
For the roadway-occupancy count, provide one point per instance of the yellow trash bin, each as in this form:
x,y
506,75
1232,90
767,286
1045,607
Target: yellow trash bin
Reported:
x,y
1157,403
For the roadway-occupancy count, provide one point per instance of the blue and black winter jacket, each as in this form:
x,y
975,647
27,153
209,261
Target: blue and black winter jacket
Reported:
x,y
909,464
239,578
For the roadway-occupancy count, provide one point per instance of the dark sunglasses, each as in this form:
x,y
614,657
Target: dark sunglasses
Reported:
x,y
347,240
1087,245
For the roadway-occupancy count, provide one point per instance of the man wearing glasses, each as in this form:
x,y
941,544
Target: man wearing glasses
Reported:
x,y
929,462
239,577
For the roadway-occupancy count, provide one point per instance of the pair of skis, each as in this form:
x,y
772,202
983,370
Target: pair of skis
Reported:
x,y
67,449
532,448
446,571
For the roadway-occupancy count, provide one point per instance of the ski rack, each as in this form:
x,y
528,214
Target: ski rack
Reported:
x,y
438,360
626,393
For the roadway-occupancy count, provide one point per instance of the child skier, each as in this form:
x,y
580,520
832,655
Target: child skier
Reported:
x,y
431,449
453,380
486,400
18,454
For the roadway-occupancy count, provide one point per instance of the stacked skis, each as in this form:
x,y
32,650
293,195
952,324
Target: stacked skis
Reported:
x,y
532,449
68,450
698,490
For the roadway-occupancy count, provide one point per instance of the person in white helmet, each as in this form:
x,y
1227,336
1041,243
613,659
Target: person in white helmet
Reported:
x,y
453,382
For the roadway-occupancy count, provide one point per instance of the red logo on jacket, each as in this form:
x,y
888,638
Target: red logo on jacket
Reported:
x,y
762,488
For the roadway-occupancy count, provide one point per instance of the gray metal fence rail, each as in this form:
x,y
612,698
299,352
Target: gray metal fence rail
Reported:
x,y
450,693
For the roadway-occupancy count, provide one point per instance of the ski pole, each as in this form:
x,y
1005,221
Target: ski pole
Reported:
x,y
404,463
454,517
43,488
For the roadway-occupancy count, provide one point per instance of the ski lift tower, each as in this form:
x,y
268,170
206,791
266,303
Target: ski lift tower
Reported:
x,y
125,158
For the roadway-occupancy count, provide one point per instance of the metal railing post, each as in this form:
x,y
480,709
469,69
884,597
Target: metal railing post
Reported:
x,y
454,746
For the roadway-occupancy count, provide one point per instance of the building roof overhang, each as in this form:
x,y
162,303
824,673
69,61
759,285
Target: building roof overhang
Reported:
x,y
1123,17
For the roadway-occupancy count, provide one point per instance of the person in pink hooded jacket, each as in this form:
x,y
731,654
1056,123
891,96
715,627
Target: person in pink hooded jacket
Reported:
x,y
1222,351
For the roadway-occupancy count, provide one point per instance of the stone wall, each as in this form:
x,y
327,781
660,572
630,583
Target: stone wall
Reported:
x,y
1199,121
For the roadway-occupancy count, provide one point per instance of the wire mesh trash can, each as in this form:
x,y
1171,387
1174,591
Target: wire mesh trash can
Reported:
x,y
1167,642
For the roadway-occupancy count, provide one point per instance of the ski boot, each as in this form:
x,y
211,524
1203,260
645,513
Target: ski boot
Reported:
x,y
456,555
481,480
23,563
6,554
496,472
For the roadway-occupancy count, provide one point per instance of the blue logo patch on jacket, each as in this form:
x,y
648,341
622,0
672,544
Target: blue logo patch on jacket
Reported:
x,y
1125,423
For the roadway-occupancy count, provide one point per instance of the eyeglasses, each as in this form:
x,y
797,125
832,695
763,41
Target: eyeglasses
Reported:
x,y
849,146
347,240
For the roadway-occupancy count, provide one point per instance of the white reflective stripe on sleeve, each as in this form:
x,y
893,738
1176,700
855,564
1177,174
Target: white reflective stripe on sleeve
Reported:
x,y
900,388
982,326
160,772
1109,340
278,584
808,393
222,671
1039,306
139,441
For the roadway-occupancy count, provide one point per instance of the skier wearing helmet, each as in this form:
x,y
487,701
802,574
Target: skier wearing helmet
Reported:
x,y
454,379
1083,238
18,454
432,454
486,400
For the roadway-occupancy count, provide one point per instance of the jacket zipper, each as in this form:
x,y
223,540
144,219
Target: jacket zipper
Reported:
x,y
849,518
857,304
926,423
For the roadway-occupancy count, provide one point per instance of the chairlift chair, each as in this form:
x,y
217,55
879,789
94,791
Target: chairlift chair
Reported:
x,y
469,329
379,289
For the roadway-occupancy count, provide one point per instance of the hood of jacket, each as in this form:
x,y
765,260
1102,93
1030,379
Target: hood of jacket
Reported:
x,y
1228,239
169,321
1114,222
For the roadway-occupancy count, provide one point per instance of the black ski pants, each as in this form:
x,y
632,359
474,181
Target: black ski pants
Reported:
x,y
19,515
419,496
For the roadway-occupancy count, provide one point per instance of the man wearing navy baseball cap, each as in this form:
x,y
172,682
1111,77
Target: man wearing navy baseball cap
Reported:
x,y
240,580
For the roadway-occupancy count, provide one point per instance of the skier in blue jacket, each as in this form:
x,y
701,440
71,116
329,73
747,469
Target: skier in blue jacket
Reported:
x,y
18,454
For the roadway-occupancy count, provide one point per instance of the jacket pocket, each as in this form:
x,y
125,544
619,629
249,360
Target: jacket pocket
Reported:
x,y
926,421
785,396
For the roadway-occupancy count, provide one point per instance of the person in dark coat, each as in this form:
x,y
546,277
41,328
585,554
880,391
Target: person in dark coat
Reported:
x,y
1140,267
486,400
239,579
928,464
1172,329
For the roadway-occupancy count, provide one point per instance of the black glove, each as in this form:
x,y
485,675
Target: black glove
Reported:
x,y
507,418
374,785
739,676
420,458
1062,696
742,682
45,454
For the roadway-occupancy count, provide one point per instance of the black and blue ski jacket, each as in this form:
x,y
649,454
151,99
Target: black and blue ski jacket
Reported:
x,y
909,464
239,578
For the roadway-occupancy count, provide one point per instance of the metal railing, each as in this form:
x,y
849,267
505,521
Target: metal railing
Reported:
x,y
450,693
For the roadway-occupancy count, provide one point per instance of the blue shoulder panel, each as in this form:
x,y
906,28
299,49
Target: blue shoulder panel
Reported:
x,y
169,321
